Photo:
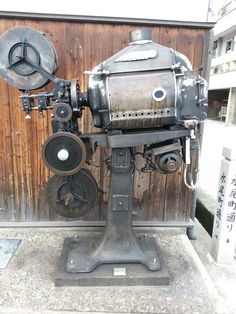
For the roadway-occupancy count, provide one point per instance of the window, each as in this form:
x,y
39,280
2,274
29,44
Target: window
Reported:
x,y
216,70
229,45
214,49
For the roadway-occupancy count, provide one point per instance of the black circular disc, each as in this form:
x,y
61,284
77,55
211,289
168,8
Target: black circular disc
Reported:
x,y
24,40
168,162
72,196
62,112
71,150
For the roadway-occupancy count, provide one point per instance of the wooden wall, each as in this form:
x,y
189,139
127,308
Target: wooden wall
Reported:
x,y
81,46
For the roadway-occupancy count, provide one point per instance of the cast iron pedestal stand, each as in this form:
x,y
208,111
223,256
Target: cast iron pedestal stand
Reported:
x,y
118,245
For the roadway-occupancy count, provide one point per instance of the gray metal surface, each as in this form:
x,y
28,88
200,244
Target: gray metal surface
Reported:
x,y
8,249
132,104
110,275
140,34
104,19
146,85
147,137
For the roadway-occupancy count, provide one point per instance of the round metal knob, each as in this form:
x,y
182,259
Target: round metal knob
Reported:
x,y
63,154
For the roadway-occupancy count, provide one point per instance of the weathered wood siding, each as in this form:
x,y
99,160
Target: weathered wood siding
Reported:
x,y
81,46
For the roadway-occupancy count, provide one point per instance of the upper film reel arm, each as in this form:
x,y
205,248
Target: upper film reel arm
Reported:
x,y
28,62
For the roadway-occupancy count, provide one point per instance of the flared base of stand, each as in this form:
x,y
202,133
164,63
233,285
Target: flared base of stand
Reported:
x,y
122,274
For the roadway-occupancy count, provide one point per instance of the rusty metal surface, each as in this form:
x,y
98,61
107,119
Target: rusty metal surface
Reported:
x,y
131,101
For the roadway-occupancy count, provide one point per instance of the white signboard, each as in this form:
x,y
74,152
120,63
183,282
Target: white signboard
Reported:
x,y
224,229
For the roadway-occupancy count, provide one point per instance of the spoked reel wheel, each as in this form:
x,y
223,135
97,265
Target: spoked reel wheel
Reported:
x,y
20,47
72,196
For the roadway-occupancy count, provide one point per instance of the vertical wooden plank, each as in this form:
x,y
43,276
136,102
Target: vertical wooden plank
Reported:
x,y
6,162
17,140
6,158
168,37
173,196
198,49
186,42
155,34
156,197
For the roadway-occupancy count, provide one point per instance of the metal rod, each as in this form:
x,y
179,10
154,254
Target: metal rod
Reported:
x,y
104,19
93,224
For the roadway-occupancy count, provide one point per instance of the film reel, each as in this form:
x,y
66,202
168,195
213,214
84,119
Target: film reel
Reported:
x,y
72,196
24,53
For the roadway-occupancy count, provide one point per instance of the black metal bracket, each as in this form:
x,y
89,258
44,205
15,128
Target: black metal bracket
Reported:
x,y
134,138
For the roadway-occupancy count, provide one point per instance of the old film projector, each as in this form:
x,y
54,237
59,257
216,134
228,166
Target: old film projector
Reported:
x,y
146,94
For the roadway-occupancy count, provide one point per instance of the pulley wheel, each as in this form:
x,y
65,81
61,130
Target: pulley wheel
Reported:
x,y
62,112
72,196
168,162
64,153
74,93
23,43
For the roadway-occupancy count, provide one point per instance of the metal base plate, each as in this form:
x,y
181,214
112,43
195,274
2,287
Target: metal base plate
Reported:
x,y
110,274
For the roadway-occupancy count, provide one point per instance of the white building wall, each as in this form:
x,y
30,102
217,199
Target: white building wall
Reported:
x,y
225,23
223,64
231,112
222,81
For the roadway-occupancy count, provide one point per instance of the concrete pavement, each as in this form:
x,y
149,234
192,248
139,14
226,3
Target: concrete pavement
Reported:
x,y
27,284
